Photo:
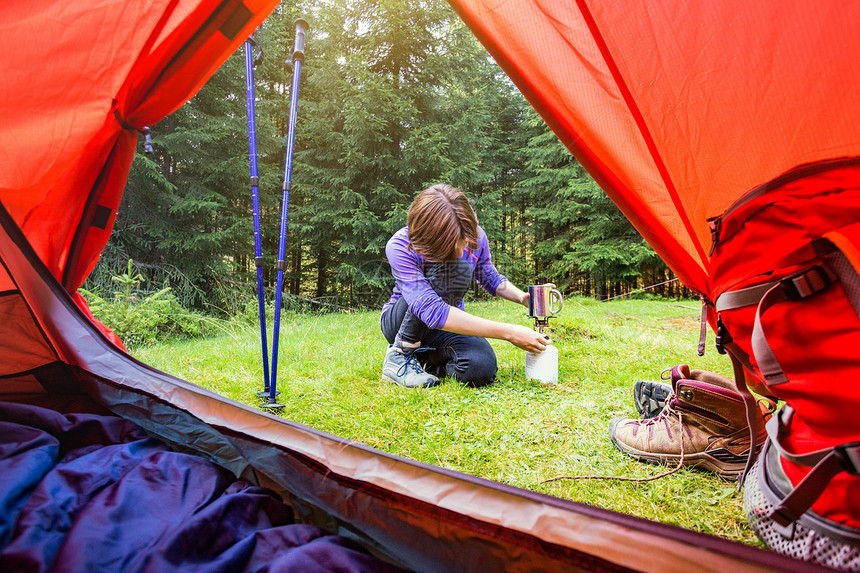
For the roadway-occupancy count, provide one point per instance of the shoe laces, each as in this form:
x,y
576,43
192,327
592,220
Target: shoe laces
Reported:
x,y
664,413
412,362
665,418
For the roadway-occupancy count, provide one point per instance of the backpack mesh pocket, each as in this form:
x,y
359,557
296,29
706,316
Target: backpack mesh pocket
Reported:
x,y
812,538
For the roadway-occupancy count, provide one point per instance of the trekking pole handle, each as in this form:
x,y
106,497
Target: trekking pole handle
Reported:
x,y
258,59
299,51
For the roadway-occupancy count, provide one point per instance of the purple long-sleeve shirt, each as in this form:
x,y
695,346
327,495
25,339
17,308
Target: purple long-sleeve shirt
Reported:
x,y
410,283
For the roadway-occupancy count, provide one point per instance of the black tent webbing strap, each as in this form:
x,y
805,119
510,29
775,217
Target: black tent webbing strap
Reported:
x,y
703,327
827,463
236,20
147,134
255,43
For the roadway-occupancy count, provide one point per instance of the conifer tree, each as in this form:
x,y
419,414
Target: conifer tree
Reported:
x,y
375,133
582,240
182,215
395,95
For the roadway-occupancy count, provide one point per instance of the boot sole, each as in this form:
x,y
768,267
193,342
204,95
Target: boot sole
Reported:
x,y
650,397
388,378
729,467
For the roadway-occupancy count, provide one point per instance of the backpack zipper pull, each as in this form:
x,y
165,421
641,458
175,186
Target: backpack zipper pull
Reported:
x,y
716,224
703,327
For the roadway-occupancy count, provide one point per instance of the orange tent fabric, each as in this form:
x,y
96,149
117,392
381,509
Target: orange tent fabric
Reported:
x,y
78,79
71,107
678,108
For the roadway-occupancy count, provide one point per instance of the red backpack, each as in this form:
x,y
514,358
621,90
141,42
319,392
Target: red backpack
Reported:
x,y
785,261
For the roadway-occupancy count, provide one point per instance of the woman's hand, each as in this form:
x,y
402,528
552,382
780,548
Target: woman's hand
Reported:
x,y
524,300
526,338
520,336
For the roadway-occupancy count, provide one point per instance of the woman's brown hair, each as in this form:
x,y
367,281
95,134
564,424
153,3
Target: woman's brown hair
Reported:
x,y
439,219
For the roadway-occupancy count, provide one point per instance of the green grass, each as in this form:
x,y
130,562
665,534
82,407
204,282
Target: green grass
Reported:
x,y
515,431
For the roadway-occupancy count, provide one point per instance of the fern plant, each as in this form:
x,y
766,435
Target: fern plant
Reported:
x,y
140,319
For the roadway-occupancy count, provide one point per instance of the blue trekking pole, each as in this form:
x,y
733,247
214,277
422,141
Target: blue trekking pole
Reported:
x,y
298,58
258,248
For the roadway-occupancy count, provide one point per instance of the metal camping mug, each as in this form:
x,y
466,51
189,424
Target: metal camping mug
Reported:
x,y
540,301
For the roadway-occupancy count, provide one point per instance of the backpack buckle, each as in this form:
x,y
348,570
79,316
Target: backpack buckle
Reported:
x,y
723,336
807,283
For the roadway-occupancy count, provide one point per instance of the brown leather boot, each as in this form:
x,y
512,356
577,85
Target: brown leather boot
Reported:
x,y
704,420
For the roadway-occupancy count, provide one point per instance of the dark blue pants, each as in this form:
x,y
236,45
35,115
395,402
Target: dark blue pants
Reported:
x,y
469,359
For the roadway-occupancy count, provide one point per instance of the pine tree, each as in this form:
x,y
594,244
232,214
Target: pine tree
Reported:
x,y
394,96
182,215
375,134
582,240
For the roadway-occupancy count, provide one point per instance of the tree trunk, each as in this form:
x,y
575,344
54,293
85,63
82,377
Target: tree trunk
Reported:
x,y
295,283
322,268
599,287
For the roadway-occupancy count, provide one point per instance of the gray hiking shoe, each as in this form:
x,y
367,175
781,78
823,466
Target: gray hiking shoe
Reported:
x,y
403,369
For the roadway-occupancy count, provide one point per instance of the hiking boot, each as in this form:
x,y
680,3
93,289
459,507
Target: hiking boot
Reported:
x,y
650,397
704,421
402,368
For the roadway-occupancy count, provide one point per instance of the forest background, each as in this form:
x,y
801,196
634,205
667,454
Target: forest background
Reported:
x,y
395,95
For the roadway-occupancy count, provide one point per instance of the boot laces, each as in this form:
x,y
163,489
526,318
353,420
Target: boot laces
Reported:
x,y
665,417
412,362
665,413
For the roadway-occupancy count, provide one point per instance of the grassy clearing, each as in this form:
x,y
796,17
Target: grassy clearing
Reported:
x,y
515,431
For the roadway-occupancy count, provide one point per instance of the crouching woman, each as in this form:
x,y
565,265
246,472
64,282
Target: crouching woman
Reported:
x,y
433,260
